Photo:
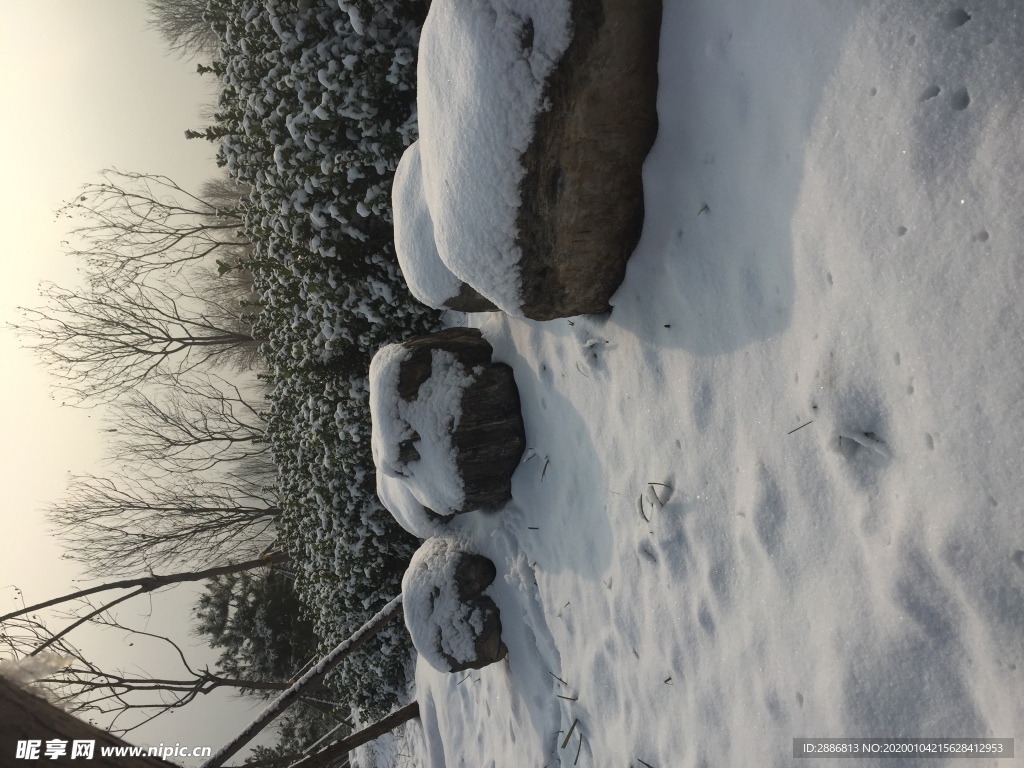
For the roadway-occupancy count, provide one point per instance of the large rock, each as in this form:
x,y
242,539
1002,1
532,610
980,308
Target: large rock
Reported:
x,y
535,118
582,205
446,427
453,624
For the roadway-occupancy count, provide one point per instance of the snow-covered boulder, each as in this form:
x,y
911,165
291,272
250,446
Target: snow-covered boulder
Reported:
x,y
453,624
535,117
428,278
447,431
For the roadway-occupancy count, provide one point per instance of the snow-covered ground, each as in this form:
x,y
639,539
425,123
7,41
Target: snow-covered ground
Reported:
x,y
777,492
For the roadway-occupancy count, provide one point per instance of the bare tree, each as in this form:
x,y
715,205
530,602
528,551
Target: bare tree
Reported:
x,y
193,425
167,287
87,690
149,583
193,482
154,304
224,193
26,716
124,699
134,223
229,294
116,335
131,522
313,677
183,25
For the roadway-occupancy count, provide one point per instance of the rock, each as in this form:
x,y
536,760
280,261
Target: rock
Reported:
x,y
582,205
490,438
453,624
468,300
446,426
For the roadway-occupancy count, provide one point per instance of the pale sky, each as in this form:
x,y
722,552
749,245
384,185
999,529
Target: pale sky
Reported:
x,y
84,85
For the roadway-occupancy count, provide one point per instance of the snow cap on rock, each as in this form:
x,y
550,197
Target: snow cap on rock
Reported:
x,y
481,76
412,440
428,278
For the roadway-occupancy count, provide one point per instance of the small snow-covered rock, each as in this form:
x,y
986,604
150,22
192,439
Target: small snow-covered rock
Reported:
x,y
453,624
447,432
412,438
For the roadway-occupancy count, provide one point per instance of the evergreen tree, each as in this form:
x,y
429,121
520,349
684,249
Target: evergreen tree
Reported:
x,y
317,105
256,619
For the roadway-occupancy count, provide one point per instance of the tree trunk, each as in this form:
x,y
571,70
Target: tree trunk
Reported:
x,y
25,716
149,583
339,749
312,677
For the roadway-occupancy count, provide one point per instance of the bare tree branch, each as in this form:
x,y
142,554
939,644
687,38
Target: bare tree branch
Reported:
x,y
83,688
132,224
182,24
335,751
166,292
193,425
82,620
153,582
25,715
130,523
117,335
313,677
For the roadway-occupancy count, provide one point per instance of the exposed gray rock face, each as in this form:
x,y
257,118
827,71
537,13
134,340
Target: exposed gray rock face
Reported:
x,y
473,574
469,300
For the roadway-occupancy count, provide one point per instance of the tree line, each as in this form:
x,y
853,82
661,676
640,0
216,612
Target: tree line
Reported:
x,y
158,335
225,335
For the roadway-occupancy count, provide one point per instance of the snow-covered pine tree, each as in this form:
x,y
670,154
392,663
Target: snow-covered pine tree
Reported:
x,y
317,105
256,621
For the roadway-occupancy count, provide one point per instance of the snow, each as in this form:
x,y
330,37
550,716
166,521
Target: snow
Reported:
x,y
432,481
480,77
408,511
429,279
783,500
436,618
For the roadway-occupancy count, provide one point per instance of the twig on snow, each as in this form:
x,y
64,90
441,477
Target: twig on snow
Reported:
x,y
571,729
800,427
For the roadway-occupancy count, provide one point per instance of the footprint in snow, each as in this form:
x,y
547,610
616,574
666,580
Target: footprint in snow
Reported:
x,y
646,551
592,357
957,18
854,443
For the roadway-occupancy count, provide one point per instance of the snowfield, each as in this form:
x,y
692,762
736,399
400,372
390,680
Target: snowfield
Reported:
x,y
777,492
